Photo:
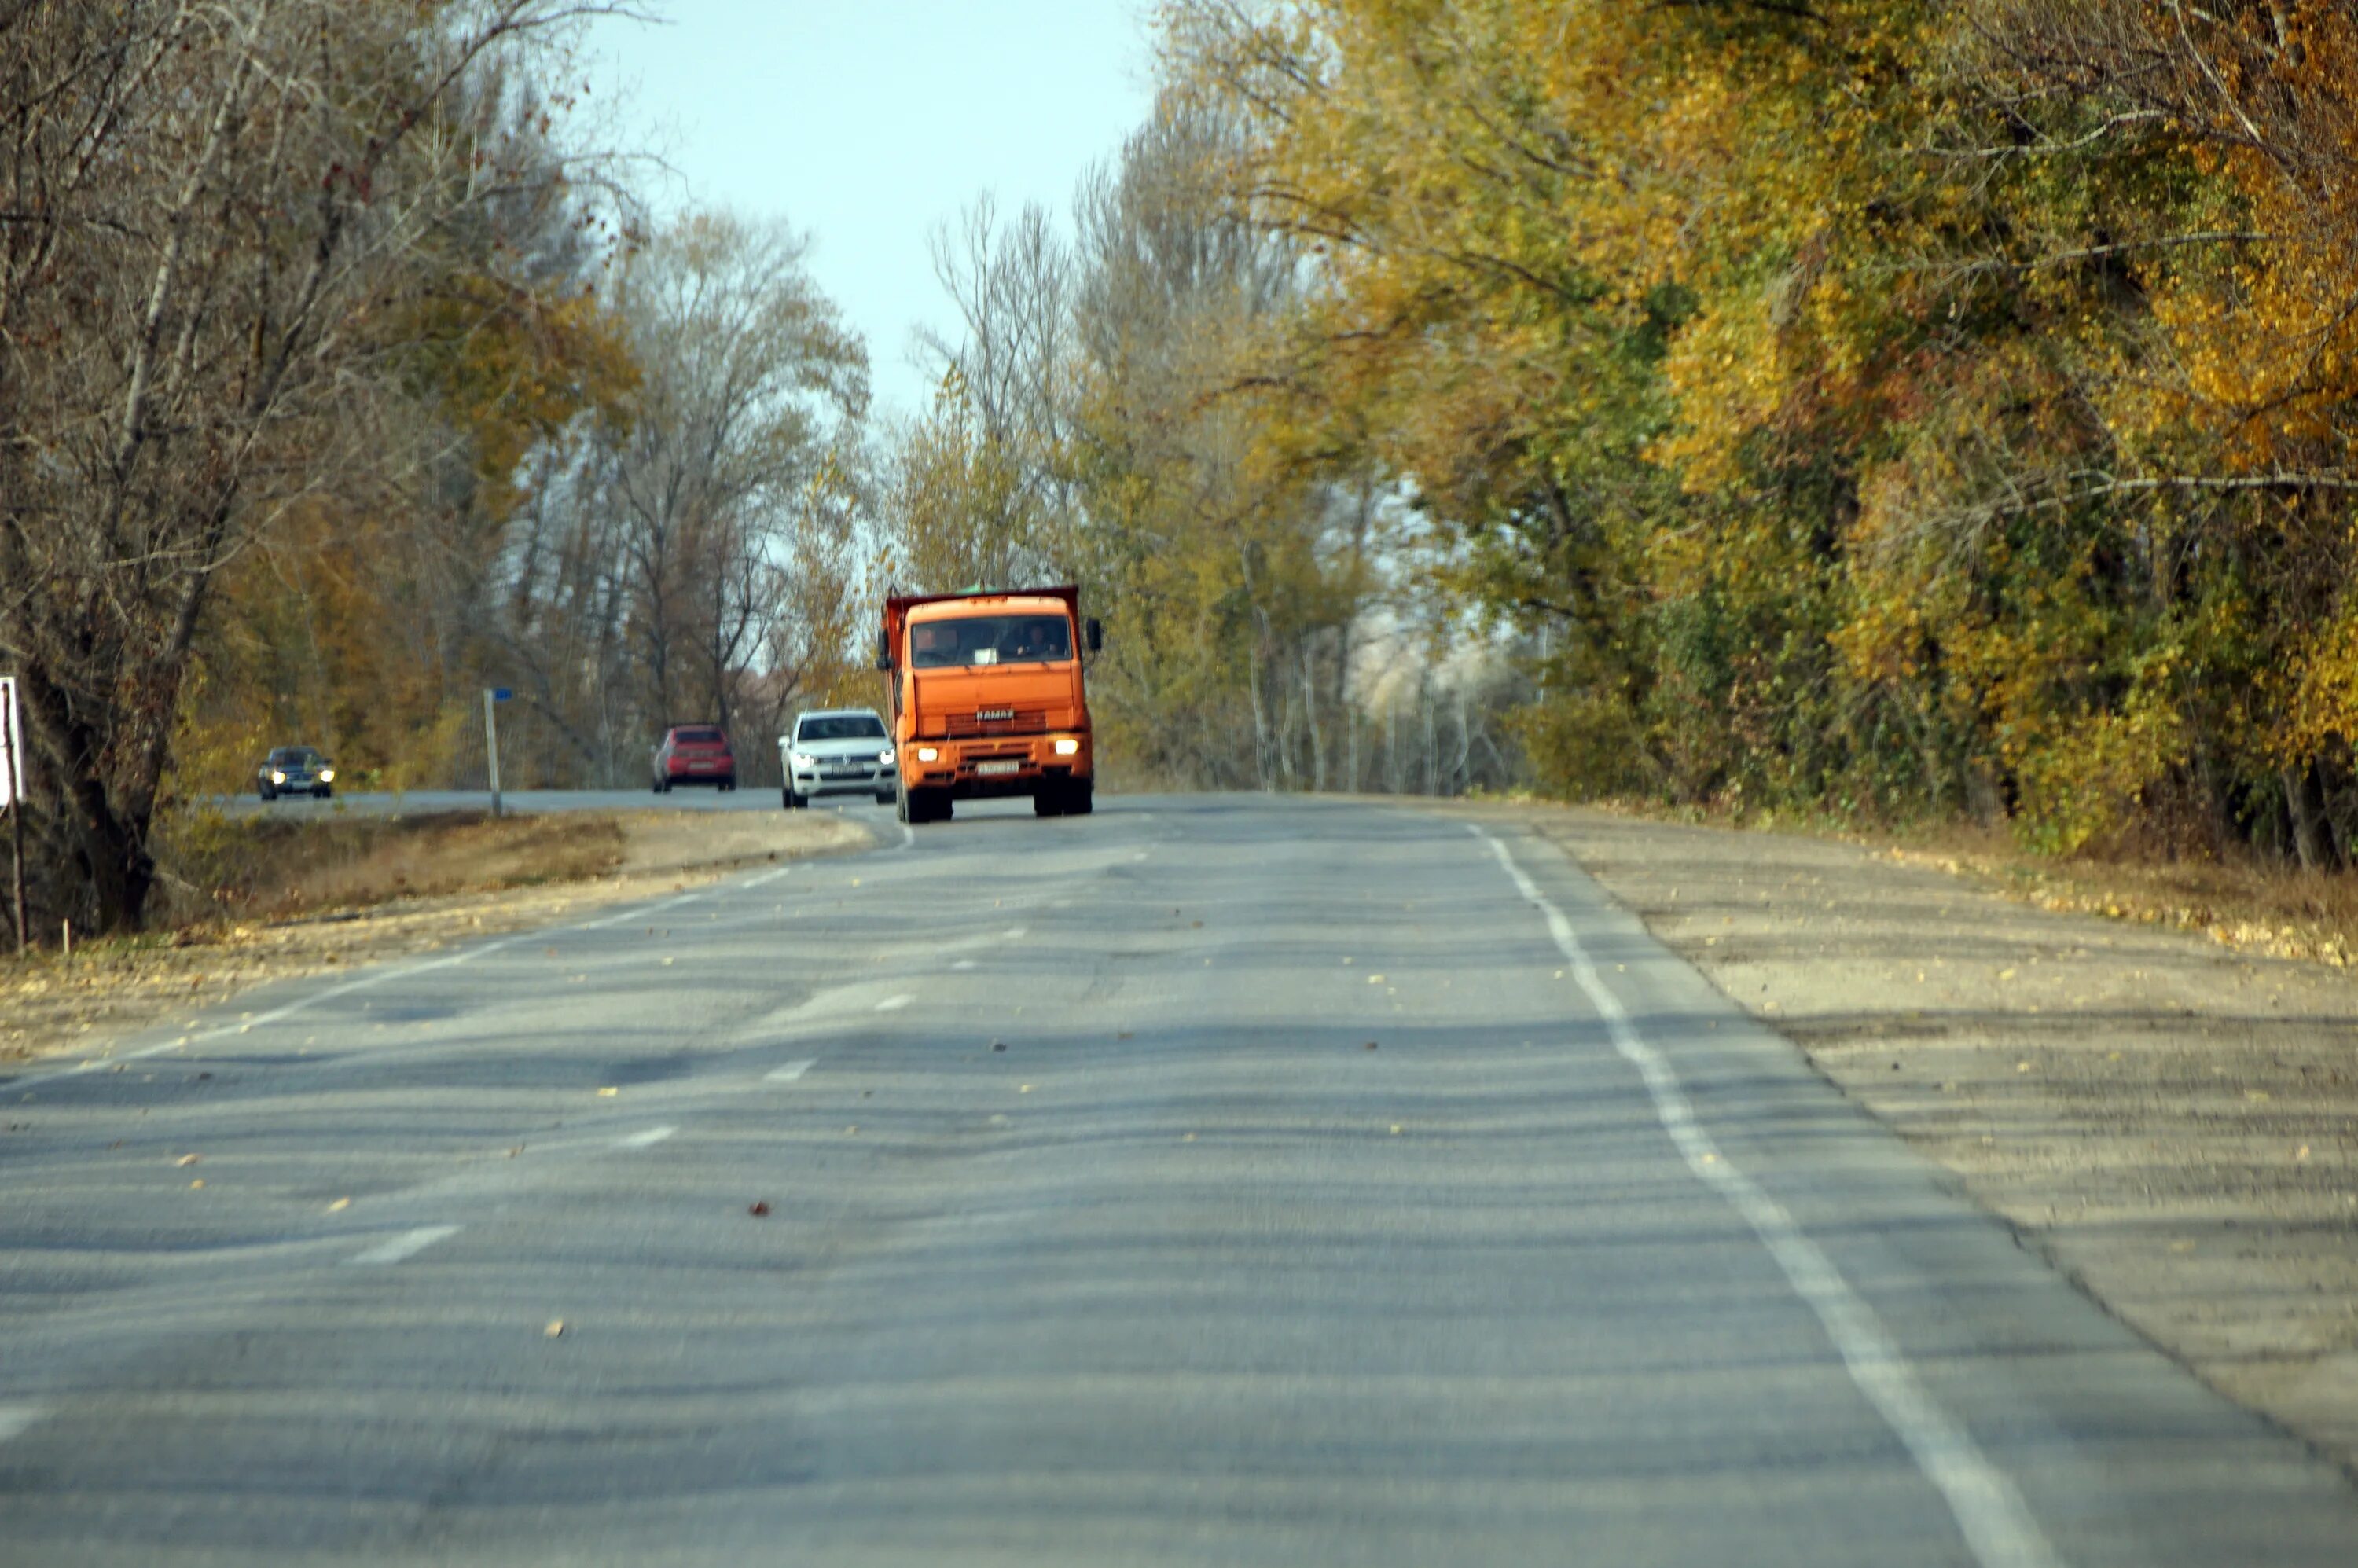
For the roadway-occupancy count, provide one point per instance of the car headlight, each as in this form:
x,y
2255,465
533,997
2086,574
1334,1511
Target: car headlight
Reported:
x,y
1068,748
928,754
885,755
805,760
277,777
327,776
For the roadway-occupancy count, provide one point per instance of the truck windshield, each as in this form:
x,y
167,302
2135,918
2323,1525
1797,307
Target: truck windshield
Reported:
x,y
990,640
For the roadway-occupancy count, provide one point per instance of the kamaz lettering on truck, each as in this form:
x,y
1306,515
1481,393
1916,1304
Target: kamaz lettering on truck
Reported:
x,y
987,700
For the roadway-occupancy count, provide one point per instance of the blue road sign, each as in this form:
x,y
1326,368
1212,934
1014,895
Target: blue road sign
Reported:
x,y
500,694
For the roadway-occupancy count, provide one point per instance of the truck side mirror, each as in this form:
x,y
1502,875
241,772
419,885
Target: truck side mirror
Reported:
x,y
883,650
1093,634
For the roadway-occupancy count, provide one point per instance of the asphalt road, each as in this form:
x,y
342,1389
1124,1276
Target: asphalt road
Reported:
x,y
1211,1180
426,802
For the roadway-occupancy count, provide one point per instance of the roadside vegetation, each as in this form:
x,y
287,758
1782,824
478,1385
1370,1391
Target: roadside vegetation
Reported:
x,y
1876,411
256,868
1899,410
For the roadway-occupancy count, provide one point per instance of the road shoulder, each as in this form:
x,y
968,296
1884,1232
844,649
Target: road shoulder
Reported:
x,y
114,991
2174,1125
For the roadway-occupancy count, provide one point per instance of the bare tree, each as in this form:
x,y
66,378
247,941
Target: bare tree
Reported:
x,y
200,208
752,384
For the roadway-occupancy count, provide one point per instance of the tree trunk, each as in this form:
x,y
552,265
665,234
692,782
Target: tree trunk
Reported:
x,y
2310,840
110,843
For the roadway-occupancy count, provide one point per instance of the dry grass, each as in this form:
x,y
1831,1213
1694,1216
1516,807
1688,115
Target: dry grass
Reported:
x,y
259,868
2253,908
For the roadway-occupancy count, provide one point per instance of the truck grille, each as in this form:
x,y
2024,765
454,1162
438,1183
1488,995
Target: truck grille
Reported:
x,y
1018,721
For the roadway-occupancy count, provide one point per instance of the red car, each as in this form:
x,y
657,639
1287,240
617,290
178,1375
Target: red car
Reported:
x,y
695,753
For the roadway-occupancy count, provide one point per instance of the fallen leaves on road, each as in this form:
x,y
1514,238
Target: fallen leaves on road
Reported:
x,y
195,1185
759,1209
608,1093
1370,1045
339,1206
188,1159
555,1330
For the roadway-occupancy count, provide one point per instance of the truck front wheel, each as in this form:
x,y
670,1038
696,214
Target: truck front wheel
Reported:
x,y
925,805
1079,797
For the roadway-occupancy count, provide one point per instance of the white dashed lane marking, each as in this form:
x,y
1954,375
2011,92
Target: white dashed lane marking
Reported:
x,y
407,1245
788,1072
894,1003
648,1139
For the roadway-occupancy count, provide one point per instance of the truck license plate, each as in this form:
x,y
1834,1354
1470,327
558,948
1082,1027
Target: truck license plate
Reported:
x,y
1007,765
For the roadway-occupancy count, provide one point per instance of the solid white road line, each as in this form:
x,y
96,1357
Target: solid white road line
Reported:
x,y
646,1140
788,1072
1996,1523
894,1003
963,964
15,1418
407,1245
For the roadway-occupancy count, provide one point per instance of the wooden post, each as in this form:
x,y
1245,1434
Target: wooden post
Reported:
x,y
12,781
491,743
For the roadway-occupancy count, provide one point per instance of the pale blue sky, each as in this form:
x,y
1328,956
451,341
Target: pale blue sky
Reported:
x,y
865,122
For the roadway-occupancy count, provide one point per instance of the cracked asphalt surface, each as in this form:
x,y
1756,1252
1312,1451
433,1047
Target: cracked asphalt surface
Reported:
x,y
1212,1179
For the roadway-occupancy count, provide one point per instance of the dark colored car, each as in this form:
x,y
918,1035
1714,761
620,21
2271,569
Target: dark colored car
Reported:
x,y
296,769
695,753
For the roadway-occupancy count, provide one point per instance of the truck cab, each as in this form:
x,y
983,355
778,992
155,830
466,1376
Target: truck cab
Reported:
x,y
989,700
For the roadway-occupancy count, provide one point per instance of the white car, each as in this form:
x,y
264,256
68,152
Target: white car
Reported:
x,y
837,751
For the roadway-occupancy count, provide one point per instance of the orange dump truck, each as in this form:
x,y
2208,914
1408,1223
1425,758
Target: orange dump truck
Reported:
x,y
987,702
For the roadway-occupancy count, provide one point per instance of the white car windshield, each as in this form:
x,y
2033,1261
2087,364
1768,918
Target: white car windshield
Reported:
x,y
841,726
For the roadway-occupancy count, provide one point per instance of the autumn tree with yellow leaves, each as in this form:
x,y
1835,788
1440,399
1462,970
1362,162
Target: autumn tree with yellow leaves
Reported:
x,y
1878,408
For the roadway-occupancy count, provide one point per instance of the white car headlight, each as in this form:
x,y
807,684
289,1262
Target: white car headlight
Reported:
x,y
805,760
327,776
928,754
885,755
277,777
1068,748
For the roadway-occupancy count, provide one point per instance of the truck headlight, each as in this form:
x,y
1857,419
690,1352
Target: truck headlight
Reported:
x,y
1068,748
928,754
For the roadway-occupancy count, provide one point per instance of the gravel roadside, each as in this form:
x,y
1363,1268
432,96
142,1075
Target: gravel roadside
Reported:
x,y
2172,1123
